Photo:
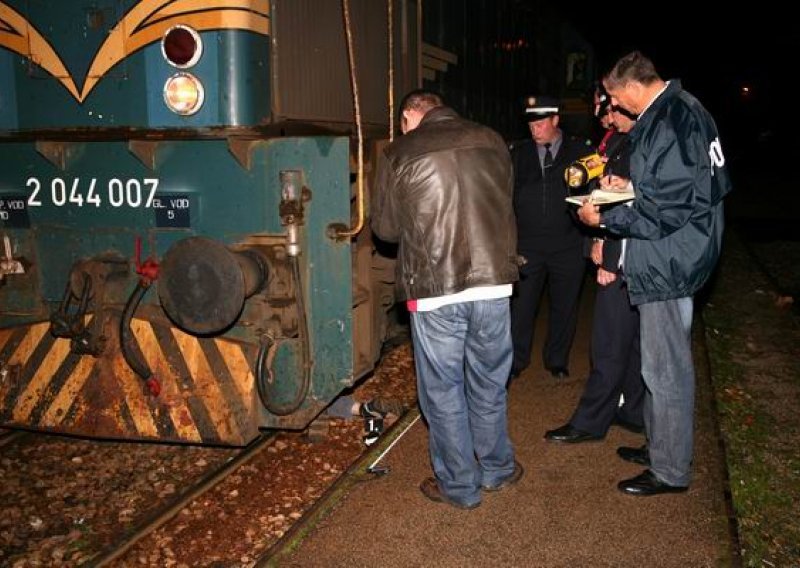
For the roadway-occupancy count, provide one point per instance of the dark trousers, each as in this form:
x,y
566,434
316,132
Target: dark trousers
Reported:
x,y
563,271
616,364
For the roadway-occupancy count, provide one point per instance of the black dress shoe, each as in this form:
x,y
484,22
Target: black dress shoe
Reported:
x,y
559,372
645,484
628,425
635,455
570,435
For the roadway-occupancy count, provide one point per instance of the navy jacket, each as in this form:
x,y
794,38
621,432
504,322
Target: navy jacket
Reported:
x,y
676,221
618,152
545,222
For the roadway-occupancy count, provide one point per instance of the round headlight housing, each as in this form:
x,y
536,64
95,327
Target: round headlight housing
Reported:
x,y
181,46
183,94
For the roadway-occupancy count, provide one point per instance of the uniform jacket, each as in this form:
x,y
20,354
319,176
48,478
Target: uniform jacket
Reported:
x,y
545,221
618,152
676,221
444,193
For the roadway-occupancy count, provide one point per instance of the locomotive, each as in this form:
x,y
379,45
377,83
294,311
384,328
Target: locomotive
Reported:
x,y
184,255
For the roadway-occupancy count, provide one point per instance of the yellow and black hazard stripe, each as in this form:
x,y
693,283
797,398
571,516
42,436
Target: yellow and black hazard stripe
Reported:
x,y
206,387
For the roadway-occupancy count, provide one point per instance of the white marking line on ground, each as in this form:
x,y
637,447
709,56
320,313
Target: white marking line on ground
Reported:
x,y
386,451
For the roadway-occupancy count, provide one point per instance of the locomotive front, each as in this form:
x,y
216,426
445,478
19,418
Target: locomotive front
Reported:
x,y
168,270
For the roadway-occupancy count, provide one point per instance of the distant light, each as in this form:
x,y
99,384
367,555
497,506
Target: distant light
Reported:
x,y
511,45
745,91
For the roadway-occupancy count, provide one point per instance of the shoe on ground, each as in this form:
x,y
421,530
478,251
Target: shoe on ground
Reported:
x,y
568,434
515,476
646,484
369,410
559,372
430,488
628,425
634,455
388,406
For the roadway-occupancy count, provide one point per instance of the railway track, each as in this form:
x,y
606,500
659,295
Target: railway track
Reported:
x,y
74,502
195,491
367,467
11,436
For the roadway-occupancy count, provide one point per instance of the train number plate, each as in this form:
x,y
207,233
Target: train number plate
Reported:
x,y
91,192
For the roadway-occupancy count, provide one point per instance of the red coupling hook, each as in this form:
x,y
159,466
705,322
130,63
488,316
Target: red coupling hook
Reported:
x,y
148,269
153,386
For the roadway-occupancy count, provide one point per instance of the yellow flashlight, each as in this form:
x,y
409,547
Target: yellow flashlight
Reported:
x,y
582,171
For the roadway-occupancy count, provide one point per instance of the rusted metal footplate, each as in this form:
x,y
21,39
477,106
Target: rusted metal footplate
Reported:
x,y
206,387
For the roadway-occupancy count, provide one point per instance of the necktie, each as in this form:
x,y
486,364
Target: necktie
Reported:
x,y
548,156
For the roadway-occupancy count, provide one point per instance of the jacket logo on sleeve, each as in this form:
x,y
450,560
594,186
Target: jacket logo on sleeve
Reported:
x,y
715,153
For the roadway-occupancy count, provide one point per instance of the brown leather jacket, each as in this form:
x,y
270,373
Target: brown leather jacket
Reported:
x,y
444,193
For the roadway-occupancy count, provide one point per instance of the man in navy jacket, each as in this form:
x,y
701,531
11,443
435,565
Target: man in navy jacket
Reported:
x,y
675,229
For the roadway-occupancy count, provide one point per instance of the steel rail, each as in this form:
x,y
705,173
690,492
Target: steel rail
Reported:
x,y
160,517
12,436
359,471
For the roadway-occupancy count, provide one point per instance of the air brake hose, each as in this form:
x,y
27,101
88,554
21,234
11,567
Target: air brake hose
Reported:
x,y
262,373
148,272
127,340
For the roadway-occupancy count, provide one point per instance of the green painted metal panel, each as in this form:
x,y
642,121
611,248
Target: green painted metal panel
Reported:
x,y
327,264
102,200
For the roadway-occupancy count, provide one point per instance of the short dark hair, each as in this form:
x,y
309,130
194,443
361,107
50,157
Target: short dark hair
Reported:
x,y
421,100
631,67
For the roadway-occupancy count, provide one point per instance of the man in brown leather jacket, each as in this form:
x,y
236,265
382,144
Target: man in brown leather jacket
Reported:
x,y
444,192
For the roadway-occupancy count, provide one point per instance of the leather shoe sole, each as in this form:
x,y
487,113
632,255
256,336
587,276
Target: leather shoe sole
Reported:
x,y
645,485
634,455
515,476
430,488
568,434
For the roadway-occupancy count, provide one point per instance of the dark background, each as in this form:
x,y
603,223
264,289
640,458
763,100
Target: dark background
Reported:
x,y
739,64
716,58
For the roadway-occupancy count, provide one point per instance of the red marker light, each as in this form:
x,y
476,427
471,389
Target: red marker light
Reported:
x,y
181,46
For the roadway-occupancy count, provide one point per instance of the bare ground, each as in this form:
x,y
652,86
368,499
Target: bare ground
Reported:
x,y
566,510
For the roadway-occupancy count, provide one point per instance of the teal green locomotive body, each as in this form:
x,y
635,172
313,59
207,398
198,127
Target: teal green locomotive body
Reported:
x,y
176,262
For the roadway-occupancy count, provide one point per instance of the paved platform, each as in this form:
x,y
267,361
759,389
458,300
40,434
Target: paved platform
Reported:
x,y
565,511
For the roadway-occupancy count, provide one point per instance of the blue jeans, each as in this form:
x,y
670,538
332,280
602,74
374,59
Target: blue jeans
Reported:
x,y
463,357
668,373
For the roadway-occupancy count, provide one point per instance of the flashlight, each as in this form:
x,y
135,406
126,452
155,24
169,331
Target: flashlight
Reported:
x,y
583,170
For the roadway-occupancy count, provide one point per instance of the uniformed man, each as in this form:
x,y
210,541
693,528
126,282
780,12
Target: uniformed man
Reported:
x,y
549,238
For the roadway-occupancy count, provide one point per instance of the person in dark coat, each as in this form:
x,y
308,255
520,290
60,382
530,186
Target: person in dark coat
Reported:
x,y
616,360
674,229
550,240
